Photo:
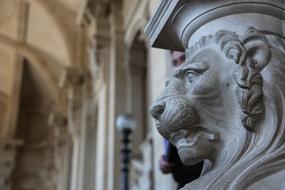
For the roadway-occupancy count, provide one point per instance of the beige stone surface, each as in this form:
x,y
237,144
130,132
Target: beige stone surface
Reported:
x,y
7,63
72,4
46,36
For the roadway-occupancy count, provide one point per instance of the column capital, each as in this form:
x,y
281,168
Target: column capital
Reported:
x,y
177,24
100,10
72,77
75,81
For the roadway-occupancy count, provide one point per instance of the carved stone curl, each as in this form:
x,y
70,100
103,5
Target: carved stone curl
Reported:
x,y
225,105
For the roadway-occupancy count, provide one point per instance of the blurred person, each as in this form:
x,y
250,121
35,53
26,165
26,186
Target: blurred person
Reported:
x,y
170,163
178,58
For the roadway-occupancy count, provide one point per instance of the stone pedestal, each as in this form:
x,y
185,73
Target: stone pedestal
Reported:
x,y
225,104
8,151
141,170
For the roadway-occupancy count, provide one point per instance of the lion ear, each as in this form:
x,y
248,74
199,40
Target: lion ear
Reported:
x,y
258,50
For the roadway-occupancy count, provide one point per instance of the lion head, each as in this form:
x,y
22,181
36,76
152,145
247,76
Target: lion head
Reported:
x,y
225,106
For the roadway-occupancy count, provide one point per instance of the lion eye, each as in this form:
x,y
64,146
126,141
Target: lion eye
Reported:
x,y
167,82
192,76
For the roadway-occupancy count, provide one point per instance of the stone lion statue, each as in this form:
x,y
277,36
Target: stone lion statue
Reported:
x,y
225,105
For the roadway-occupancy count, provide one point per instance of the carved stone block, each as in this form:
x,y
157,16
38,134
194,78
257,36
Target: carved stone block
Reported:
x,y
225,104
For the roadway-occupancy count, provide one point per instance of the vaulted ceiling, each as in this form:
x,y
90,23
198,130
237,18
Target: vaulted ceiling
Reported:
x,y
44,32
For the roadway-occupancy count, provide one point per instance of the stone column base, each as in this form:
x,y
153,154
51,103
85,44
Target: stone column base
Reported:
x,y
8,149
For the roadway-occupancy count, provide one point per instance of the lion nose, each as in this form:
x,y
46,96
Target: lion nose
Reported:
x,y
157,110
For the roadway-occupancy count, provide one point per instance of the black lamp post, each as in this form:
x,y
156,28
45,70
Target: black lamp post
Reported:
x,y
125,123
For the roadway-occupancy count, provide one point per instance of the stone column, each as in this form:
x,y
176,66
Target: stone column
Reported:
x,y
103,96
100,54
137,97
225,104
118,93
8,150
102,100
75,86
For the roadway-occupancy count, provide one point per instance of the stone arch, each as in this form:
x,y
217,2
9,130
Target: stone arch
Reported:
x,y
131,36
36,156
61,20
39,61
136,23
50,76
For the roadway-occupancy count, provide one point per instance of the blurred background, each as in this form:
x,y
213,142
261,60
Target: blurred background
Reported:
x,y
68,68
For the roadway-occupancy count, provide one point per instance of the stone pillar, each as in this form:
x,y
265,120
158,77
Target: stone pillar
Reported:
x,y
90,167
225,104
118,93
8,150
102,99
100,54
75,86
138,96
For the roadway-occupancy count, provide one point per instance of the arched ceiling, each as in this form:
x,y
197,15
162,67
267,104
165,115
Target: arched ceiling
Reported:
x,y
46,34
8,23
49,27
72,4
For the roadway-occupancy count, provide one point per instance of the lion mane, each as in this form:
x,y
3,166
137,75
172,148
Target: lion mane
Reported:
x,y
260,150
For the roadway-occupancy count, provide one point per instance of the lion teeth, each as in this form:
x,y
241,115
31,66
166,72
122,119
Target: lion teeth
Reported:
x,y
178,135
184,132
185,143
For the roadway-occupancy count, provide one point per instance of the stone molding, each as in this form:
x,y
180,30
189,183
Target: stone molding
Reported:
x,y
178,20
157,23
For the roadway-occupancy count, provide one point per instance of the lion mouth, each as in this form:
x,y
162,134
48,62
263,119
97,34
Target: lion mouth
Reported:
x,y
190,140
183,138
187,138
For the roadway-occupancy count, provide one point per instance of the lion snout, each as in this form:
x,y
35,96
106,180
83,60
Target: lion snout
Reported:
x,y
174,113
157,110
